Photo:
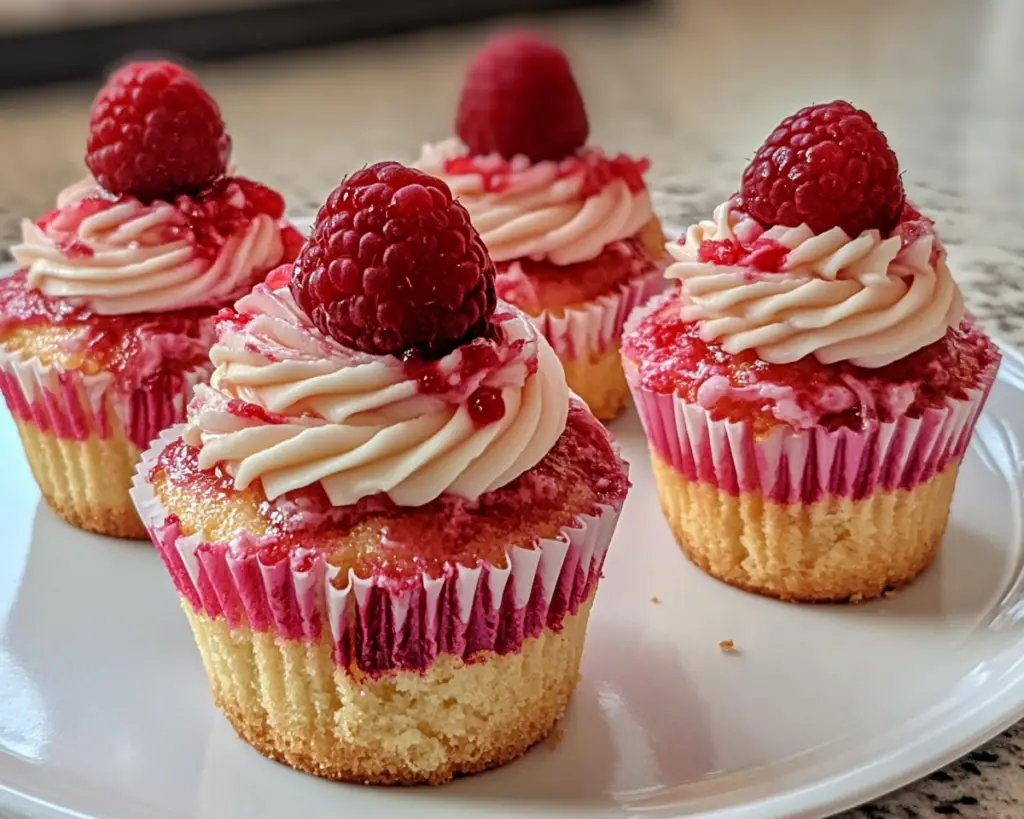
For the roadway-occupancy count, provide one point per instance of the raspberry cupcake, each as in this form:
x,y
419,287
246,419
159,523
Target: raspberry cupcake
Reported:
x,y
107,325
386,516
809,389
570,229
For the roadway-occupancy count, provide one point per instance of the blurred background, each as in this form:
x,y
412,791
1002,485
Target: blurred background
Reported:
x,y
311,89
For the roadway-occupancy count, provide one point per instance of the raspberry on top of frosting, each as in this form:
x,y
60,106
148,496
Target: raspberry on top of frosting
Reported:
x,y
787,293
796,289
158,228
330,376
521,166
519,97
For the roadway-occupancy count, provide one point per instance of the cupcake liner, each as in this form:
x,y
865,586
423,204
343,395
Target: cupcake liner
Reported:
x,y
803,466
595,327
377,623
74,405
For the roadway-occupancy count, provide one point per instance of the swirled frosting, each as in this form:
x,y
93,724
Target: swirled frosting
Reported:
x,y
868,300
119,255
545,210
291,407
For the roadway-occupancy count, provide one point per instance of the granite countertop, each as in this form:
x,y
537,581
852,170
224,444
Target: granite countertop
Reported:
x,y
695,86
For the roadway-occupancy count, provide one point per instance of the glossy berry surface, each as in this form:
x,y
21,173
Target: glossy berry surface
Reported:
x,y
519,97
393,266
154,133
825,166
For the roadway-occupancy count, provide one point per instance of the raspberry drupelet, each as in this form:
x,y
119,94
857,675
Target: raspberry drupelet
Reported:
x,y
106,327
810,388
387,482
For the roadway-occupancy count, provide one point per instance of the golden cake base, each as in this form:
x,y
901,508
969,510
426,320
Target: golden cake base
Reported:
x,y
600,382
833,550
288,700
86,482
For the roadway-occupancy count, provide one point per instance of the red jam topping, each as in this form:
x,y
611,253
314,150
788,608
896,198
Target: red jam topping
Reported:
x,y
209,217
672,358
581,470
763,255
598,170
486,406
482,355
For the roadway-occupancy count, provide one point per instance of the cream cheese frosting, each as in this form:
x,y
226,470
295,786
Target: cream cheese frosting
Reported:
x,y
290,407
541,211
868,300
124,256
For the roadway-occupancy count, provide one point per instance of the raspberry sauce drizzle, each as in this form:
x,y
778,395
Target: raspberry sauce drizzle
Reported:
x,y
597,170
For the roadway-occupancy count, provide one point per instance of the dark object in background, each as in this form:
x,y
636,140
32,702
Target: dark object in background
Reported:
x,y
52,54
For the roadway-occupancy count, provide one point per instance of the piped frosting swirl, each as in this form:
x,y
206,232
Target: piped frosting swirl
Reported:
x,y
119,256
869,300
546,210
290,407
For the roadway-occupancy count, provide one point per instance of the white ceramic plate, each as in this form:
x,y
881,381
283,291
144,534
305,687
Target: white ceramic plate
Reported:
x,y
104,709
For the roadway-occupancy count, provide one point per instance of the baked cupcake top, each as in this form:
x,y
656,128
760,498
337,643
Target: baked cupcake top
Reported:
x,y
817,294
377,389
522,168
157,227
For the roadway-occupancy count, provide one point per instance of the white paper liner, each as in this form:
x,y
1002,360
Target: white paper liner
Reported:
x,y
591,329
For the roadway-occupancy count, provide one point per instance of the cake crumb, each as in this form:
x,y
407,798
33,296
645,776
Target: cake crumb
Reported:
x,y
727,647
555,737
656,600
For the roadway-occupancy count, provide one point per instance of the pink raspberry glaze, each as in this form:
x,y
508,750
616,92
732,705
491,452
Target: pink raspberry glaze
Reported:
x,y
452,547
670,358
598,170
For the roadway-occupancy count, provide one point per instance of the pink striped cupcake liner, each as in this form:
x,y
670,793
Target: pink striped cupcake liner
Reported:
x,y
75,405
594,328
790,465
378,623
804,466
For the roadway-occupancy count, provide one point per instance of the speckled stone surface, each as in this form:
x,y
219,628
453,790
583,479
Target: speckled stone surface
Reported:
x,y
695,86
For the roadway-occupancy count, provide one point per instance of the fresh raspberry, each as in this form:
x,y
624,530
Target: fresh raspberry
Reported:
x,y
394,266
826,166
519,97
154,133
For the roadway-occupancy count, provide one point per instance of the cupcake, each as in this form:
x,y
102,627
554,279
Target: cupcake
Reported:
x,y
386,516
810,387
570,229
107,324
